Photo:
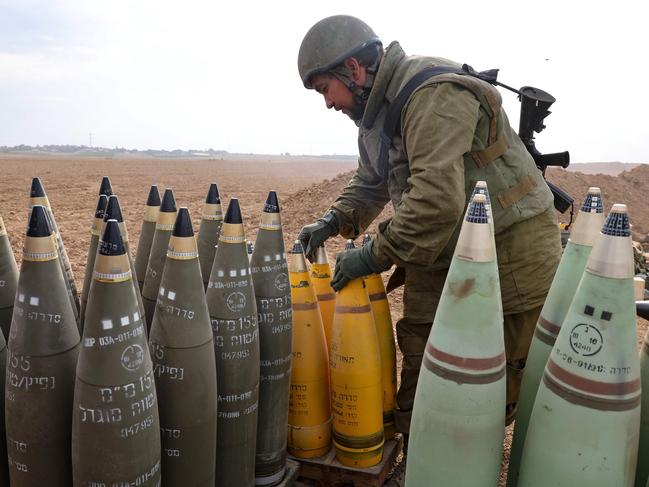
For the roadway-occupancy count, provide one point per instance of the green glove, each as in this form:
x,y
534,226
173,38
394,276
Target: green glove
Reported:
x,y
313,236
354,263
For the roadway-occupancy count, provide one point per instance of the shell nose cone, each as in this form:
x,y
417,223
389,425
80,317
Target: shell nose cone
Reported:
x,y
477,210
233,214
297,248
366,239
183,225
102,202
111,242
37,190
113,210
593,201
154,196
105,187
617,222
272,203
168,202
350,244
38,225
213,197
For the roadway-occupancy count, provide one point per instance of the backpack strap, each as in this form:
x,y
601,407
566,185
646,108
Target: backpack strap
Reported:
x,y
488,100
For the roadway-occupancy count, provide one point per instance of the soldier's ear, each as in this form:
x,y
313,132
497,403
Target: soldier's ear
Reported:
x,y
357,70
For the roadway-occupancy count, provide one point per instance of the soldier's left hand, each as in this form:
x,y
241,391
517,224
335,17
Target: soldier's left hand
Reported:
x,y
354,263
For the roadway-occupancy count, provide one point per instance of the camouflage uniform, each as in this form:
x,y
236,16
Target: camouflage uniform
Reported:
x,y
451,126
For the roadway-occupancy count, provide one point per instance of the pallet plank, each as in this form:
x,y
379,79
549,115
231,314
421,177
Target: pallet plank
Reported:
x,y
327,471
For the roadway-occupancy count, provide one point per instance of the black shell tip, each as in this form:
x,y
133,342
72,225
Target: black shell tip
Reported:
x,y
113,210
38,223
233,215
102,202
168,202
154,196
213,197
37,190
183,225
105,187
111,242
272,203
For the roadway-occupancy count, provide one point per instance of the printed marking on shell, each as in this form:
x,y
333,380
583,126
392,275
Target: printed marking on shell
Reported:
x,y
243,272
34,300
267,258
125,321
162,291
171,295
233,273
21,298
586,340
236,301
136,316
278,257
132,357
107,324
281,282
220,273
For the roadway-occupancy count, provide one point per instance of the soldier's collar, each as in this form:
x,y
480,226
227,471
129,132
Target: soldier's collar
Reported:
x,y
391,59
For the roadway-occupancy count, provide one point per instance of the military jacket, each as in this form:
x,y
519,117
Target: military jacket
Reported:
x,y
432,167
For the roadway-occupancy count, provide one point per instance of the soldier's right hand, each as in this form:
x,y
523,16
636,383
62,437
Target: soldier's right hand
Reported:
x,y
313,235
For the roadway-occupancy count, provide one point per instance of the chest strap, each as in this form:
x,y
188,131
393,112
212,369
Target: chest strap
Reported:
x,y
488,100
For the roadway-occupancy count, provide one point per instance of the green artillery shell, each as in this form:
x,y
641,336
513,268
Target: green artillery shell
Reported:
x,y
459,412
4,468
41,360
114,212
151,212
95,232
182,351
208,233
233,314
8,280
642,472
115,426
584,234
158,254
39,197
586,416
273,295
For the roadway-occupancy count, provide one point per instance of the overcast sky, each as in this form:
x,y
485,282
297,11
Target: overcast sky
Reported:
x,y
223,74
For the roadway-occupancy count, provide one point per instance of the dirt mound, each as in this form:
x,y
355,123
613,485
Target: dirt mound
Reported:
x,y
629,187
309,204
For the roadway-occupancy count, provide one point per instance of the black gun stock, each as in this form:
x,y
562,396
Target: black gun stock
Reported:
x,y
535,106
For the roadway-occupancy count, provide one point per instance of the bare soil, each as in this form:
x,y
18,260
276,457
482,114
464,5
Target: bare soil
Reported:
x,y
306,187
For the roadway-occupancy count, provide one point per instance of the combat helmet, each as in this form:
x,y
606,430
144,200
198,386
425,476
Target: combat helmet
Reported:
x,y
329,42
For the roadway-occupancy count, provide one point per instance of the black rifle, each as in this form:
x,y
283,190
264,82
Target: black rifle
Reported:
x,y
534,108
535,104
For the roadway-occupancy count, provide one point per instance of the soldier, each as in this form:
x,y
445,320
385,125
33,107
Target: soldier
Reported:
x,y
452,133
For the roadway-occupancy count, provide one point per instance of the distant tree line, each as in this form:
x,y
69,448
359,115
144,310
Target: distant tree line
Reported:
x,y
86,150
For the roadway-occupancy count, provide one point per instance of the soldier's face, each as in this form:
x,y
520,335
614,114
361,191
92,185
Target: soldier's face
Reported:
x,y
336,94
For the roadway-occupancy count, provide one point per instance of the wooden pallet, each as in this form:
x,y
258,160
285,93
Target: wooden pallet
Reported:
x,y
326,471
292,472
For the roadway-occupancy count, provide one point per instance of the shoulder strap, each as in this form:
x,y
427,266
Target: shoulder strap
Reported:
x,y
392,122
391,125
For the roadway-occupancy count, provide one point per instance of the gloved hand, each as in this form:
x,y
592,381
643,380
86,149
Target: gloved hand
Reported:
x,y
314,235
354,263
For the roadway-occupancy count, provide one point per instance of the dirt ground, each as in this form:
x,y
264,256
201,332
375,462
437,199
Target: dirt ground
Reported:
x,y
306,186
